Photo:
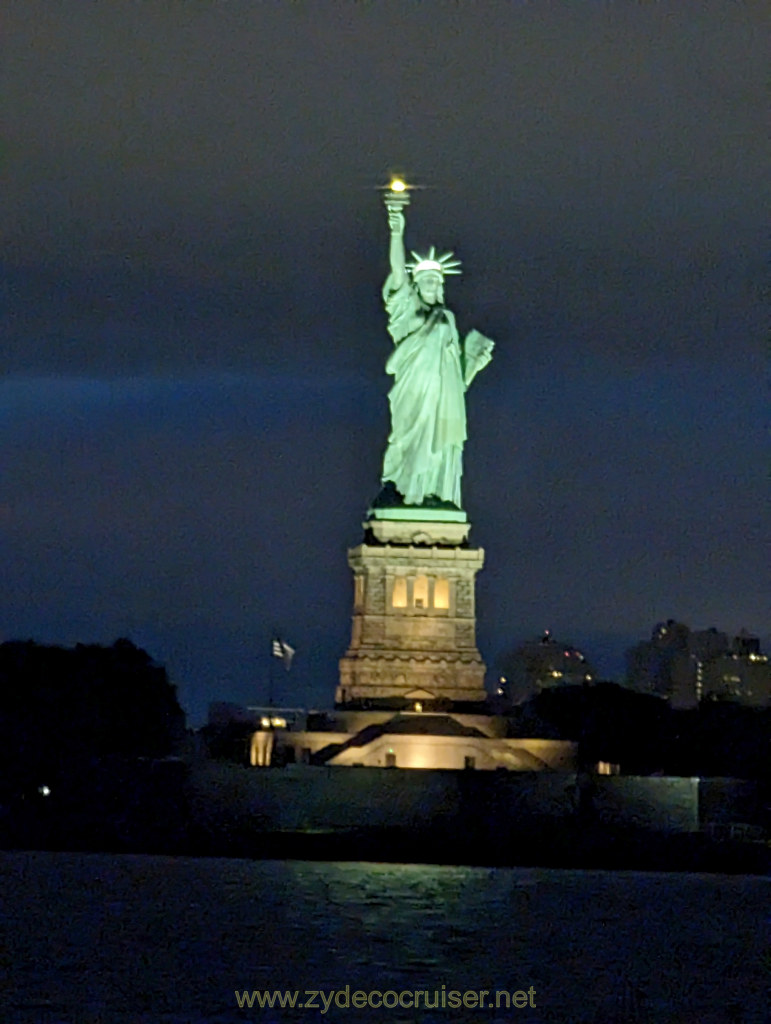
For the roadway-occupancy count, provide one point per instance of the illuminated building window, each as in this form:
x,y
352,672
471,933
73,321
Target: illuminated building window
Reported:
x,y
420,592
358,591
399,597
441,593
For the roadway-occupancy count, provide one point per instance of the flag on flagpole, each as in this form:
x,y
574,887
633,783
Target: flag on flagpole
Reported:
x,y
281,649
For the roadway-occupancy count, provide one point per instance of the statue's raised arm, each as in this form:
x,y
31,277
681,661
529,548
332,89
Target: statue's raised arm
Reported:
x,y
396,251
423,463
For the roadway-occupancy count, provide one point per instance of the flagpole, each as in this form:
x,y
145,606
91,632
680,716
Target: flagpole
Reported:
x,y
270,671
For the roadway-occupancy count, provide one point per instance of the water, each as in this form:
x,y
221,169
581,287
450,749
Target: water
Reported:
x,y
98,939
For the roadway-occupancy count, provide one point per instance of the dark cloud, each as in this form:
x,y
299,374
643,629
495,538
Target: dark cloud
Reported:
x,y
608,155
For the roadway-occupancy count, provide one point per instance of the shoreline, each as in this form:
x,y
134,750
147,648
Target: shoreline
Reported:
x,y
571,849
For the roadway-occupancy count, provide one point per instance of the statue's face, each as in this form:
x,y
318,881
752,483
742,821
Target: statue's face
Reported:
x,y
430,287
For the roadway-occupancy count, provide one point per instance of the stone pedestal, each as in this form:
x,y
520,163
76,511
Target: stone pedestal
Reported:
x,y
414,619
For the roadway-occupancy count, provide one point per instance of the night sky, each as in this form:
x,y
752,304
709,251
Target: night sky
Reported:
x,y
193,400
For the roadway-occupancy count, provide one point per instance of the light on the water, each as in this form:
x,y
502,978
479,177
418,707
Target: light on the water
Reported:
x,y
397,185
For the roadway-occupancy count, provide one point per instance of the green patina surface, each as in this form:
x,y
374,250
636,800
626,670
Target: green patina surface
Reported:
x,y
432,369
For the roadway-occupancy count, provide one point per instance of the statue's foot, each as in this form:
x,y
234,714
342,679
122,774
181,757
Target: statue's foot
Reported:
x,y
431,501
389,497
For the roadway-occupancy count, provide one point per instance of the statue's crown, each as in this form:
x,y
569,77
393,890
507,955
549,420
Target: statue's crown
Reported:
x,y
444,264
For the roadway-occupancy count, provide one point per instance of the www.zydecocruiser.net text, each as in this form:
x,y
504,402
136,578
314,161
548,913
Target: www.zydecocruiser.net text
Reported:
x,y
407,999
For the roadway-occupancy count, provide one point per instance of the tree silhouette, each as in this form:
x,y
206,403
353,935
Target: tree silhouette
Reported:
x,y
61,707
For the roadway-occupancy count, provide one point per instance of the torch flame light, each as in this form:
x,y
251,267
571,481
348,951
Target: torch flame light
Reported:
x,y
396,194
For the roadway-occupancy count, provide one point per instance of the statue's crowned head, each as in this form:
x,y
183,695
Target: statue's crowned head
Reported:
x,y
428,273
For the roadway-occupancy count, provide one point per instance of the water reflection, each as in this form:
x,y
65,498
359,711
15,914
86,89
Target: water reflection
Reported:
x,y
163,940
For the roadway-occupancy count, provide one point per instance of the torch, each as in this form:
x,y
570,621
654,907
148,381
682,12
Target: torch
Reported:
x,y
396,195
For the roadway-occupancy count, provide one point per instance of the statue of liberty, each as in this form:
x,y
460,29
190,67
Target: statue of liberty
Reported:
x,y
432,370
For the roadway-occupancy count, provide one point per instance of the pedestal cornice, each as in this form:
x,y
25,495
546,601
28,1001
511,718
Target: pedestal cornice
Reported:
x,y
418,531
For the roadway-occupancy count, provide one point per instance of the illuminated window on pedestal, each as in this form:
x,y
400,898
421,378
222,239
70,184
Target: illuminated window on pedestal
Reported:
x,y
420,593
399,597
441,594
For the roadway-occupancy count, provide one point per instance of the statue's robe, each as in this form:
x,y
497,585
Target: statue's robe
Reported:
x,y
428,412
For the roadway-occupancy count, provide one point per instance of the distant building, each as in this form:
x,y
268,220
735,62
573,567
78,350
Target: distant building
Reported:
x,y
686,667
541,664
742,673
661,666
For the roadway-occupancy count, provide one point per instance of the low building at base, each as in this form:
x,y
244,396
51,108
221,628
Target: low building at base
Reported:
x,y
415,740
